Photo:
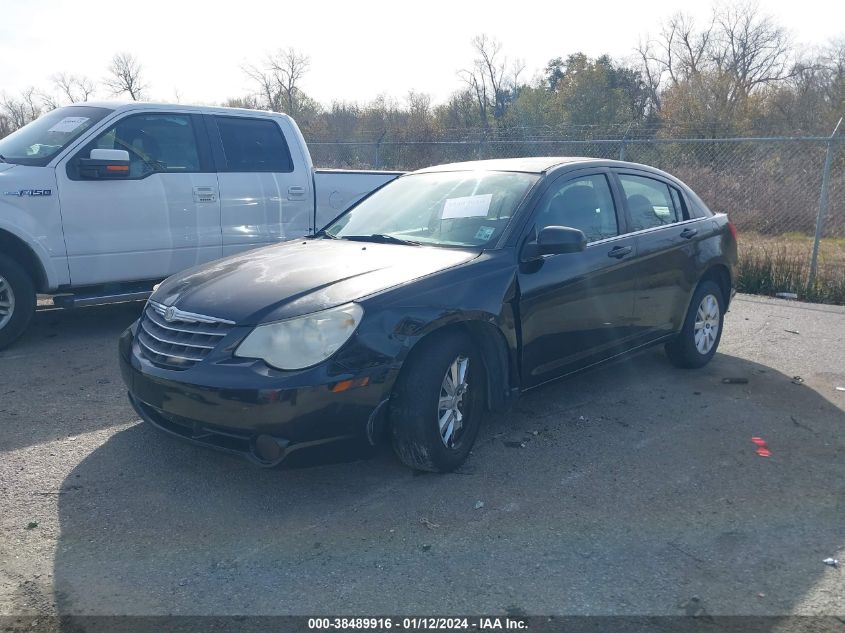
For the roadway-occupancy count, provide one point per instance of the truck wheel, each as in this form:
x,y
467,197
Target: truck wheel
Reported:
x,y
437,404
699,338
17,301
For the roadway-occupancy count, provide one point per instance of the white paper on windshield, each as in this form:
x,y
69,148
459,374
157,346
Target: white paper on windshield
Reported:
x,y
467,206
68,124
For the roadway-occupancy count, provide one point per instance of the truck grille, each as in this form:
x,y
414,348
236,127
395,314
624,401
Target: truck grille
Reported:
x,y
175,339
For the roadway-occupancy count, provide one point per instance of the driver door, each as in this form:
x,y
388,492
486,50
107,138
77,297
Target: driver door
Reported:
x,y
577,308
164,217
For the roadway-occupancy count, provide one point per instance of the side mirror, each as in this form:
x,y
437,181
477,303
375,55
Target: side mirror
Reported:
x,y
555,240
105,164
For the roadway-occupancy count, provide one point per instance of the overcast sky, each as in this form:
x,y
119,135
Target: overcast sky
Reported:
x,y
358,49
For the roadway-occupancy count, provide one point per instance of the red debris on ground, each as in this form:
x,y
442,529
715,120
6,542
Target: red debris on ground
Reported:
x,y
762,447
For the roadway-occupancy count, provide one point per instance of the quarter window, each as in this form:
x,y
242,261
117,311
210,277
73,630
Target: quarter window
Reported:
x,y
650,202
584,203
680,206
155,142
251,145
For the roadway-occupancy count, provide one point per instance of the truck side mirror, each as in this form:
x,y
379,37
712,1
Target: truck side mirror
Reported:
x,y
105,164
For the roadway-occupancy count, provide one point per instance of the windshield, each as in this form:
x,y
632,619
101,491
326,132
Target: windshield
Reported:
x,y
37,143
460,209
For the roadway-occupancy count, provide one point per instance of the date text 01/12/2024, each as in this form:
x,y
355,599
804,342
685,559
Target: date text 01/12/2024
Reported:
x,y
418,623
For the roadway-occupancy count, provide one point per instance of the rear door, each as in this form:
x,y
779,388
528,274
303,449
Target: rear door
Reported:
x,y
668,242
163,218
577,308
266,192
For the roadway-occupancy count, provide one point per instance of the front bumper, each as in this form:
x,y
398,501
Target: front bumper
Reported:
x,y
236,405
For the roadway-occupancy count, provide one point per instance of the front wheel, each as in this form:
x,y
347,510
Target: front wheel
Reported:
x,y
699,338
437,404
17,301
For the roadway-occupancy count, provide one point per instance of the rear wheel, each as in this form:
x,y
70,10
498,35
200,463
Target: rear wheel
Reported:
x,y
699,338
437,404
17,301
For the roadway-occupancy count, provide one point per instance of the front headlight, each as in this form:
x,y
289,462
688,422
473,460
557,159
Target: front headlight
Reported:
x,y
302,341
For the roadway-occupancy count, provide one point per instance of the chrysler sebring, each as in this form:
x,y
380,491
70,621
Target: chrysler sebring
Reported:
x,y
440,296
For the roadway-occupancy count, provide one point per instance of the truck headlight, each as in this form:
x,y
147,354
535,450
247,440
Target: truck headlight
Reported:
x,y
302,341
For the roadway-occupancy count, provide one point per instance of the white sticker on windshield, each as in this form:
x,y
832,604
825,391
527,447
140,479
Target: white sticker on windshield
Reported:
x,y
484,233
68,124
467,206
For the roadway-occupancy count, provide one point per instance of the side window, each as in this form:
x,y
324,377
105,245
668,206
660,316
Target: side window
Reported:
x,y
650,202
253,145
584,203
155,142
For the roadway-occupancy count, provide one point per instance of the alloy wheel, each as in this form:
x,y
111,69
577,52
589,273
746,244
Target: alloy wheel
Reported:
x,y
451,405
7,302
706,324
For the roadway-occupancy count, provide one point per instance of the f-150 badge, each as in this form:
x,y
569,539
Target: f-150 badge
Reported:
x,y
29,192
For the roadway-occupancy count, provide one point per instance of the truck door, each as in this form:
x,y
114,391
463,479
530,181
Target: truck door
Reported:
x,y
162,218
265,188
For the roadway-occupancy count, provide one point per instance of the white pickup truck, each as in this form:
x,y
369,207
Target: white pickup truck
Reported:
x,y
100,201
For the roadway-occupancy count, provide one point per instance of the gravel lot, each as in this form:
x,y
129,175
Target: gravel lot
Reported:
x,y
633,489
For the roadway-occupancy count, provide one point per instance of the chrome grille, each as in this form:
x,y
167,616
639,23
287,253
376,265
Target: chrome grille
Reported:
x,y
175,339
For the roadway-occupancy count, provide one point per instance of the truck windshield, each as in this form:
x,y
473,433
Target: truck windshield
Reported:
x,y
452,209
37,143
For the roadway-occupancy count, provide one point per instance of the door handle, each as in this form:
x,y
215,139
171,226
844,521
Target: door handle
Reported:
x,y
689,233
295,192
205,194
619,251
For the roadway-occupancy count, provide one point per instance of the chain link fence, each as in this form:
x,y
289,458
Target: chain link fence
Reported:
x,y
772,188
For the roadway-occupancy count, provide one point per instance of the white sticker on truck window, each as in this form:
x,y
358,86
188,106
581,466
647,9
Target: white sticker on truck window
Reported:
x,y
68,124
467,207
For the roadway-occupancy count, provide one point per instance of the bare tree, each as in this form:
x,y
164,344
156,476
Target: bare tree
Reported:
x,y
6,126
491,82
279,80
289,67
486,75
268,90
23,110
74,88
125,77
738,51
752,49
679,53
49,100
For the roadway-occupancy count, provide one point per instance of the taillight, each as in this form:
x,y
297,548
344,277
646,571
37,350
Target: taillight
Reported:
x,y
732,229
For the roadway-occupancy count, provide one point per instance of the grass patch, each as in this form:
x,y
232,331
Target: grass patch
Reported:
x,y
769,265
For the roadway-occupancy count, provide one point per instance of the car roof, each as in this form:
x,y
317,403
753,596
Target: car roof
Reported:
x,y
545,164
530,164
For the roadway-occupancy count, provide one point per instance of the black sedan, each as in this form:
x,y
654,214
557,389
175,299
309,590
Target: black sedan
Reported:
x,y
440,296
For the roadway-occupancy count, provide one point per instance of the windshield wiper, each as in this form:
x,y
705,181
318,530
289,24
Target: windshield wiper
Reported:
x,y
382,238
3,159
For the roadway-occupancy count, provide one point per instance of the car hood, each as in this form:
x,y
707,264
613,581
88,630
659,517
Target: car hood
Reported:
x,y
300,277
6,167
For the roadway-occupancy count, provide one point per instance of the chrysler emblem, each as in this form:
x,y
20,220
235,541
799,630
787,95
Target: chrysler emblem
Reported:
x,y
170,314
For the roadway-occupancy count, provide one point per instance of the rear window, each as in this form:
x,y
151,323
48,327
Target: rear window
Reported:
x,y
251,145
650,202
